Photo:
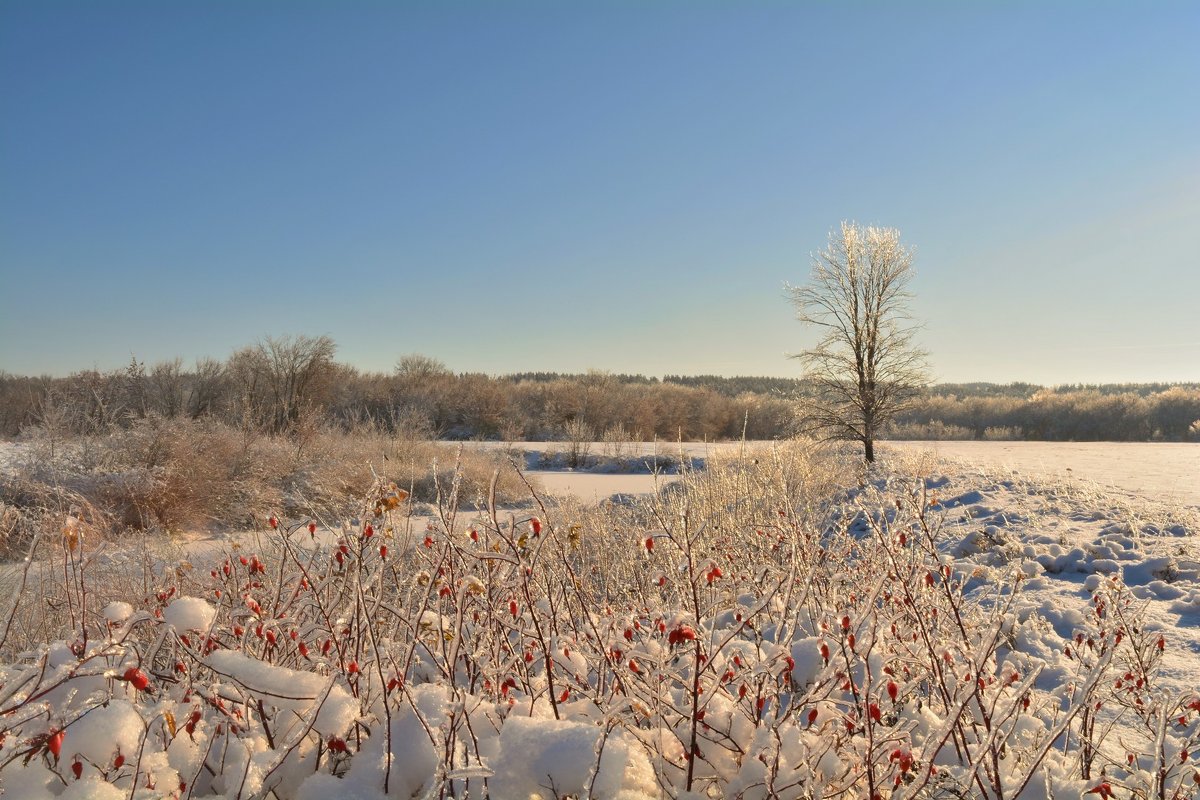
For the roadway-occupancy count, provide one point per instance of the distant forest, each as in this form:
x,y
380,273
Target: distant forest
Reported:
x,y
292,384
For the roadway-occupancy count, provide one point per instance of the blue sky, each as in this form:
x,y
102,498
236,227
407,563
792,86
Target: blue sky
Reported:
x,y
620,186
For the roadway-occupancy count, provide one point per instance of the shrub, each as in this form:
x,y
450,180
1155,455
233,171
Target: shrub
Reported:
x,y
771,628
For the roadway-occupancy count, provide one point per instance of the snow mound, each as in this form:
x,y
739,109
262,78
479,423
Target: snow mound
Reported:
x,y
189,614
93,788
117,612
539,753
289,689
104,731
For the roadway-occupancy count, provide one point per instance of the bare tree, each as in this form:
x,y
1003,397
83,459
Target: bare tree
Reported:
x,y
166,387
276,379
209,388
865,368
420,367
297,368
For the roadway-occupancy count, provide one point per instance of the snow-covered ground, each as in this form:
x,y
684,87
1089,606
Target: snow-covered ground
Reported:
x,y
1070,535
1164,471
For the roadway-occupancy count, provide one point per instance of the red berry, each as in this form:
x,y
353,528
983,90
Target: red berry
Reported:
x,y
536,525
136,677
77,768
312,528
54,743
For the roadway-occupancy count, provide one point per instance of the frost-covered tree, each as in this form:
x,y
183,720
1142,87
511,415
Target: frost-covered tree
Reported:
x,y
865,368
277,379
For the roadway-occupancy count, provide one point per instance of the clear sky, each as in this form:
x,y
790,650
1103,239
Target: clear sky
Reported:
x,y
620,186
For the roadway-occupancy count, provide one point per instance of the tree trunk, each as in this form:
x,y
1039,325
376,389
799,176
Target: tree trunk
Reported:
x,y
869,446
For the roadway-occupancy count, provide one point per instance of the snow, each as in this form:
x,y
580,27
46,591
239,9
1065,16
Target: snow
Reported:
x,y
1072,533
104,731
288,688
594,487
536,754
414,762
1167,471
92,788
117,612
189,614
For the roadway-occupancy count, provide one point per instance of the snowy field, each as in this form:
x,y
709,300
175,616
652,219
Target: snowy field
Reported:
x,y
1168,472
1003,628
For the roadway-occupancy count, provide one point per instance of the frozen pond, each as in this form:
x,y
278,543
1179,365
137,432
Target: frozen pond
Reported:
x,y
594,487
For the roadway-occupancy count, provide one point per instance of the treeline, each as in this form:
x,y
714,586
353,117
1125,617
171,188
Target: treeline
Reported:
x,y
1171,414
294,384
